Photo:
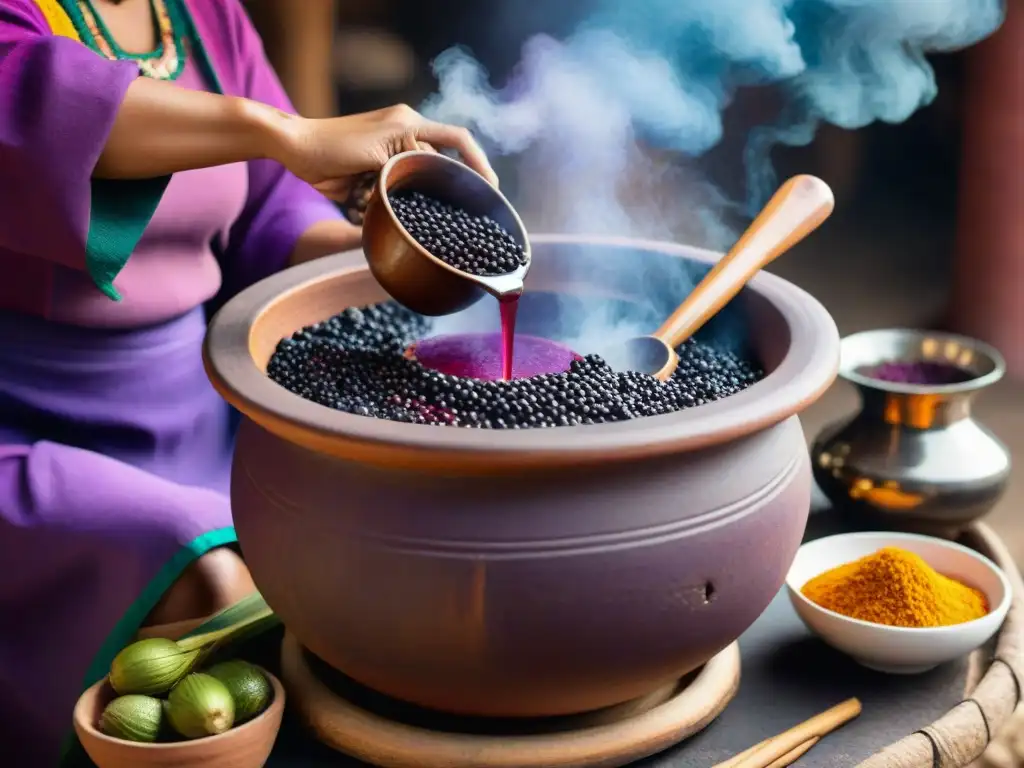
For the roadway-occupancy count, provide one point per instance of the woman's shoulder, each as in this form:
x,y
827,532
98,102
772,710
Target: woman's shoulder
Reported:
x,y
225,17
226,23
28,15
228,39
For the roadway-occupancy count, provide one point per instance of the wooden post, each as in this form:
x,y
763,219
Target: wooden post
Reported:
x,y
299,38
988,290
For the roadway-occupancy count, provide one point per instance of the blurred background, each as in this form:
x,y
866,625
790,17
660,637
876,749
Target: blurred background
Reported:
x,y
928,230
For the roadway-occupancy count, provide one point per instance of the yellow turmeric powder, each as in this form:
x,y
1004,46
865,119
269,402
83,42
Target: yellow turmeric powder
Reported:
x,y
898,588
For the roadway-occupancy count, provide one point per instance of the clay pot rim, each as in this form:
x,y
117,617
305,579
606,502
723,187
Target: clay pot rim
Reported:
x,y
808,368
86,726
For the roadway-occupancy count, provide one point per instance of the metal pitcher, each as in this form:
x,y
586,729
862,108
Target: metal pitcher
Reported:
x,y
913,457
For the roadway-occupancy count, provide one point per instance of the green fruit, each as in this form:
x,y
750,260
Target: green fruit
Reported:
x,y
133,718
150,666
249,687
200,705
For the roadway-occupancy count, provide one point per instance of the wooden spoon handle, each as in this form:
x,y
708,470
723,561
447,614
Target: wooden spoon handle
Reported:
x,y
797,209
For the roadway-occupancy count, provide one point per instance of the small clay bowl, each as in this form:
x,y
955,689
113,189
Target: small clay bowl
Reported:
x,y
899,650
246,746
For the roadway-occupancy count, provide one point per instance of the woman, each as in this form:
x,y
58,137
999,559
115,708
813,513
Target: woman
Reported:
x,y
128,202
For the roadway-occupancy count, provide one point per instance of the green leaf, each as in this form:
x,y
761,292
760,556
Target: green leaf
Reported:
x,y
249,616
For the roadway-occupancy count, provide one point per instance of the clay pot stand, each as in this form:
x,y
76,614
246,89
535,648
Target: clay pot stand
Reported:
x,y
615,736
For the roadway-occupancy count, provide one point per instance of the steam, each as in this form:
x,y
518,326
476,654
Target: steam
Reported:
x,y
605,120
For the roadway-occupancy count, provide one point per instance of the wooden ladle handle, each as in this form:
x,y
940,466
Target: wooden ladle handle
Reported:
x,y
797,209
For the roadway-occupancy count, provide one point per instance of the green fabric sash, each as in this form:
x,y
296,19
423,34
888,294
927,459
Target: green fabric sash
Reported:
x,y
121,210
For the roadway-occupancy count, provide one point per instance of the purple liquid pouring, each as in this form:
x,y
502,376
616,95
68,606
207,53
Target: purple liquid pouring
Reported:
x,y
509,307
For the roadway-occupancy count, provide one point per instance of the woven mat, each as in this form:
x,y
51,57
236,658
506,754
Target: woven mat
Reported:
x,y
986,730
1007,749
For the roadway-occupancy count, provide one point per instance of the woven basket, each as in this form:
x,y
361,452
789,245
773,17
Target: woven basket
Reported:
x,y
974,732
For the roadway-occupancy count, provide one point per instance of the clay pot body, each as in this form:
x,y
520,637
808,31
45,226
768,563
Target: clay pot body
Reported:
x,y
526,573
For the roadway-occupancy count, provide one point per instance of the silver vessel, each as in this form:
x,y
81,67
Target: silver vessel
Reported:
x,y
913,457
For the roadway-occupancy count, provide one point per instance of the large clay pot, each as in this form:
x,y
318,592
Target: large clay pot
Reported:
x,y
525,573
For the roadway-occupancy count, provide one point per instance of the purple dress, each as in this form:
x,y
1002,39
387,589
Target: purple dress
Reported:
x,y
114,448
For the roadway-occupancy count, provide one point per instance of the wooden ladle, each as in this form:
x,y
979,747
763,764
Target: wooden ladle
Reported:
x,y
795,210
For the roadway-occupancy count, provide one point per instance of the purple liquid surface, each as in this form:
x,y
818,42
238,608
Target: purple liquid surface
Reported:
x,y
480,355
917,372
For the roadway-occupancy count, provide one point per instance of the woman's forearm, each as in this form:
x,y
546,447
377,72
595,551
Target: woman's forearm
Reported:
x,y
162,129
325,238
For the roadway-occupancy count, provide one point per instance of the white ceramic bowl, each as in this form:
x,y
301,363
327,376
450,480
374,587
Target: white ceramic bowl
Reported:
x,y
900,650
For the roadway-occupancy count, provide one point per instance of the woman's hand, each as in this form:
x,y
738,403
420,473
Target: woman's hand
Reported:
x,y
329,153
211,583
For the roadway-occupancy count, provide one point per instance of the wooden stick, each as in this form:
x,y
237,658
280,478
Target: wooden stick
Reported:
x,y
781,750
791,757
735,759
788,758
785,760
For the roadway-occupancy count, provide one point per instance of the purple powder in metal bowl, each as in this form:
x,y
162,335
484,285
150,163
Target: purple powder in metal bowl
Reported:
x,y
917,372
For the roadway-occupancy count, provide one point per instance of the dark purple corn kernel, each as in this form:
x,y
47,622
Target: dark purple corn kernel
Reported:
x,y
354,206
477,245
919,372
355,363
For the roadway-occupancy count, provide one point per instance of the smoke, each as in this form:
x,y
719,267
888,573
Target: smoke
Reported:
x,y
605,120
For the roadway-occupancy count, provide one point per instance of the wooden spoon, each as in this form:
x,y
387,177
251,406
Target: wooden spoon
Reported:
x,y
797,209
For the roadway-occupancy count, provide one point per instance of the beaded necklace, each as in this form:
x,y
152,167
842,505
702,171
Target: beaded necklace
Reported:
x,y
166,62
